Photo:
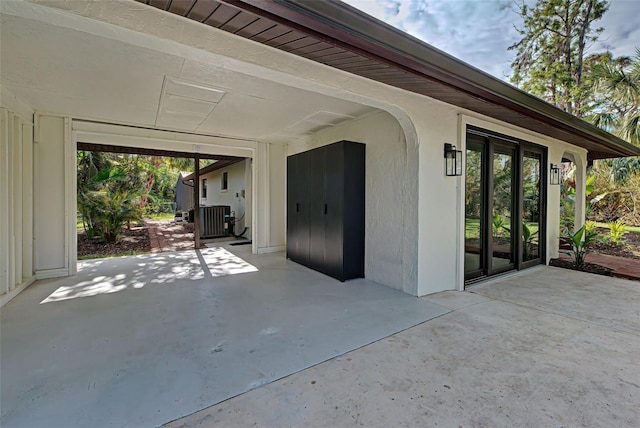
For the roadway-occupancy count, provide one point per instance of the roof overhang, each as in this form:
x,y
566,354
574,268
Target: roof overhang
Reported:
x,y
213,167
335,34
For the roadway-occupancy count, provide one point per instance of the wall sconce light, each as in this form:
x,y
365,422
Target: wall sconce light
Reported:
x,y
453,160
554,175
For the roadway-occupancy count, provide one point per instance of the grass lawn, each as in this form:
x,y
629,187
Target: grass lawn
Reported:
x,y
472,228
634,229
157,217
161,216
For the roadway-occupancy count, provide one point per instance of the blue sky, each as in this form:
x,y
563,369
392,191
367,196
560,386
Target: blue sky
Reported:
x,y
480,31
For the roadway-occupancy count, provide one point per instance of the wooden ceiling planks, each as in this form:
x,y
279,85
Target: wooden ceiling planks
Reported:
x,y
202,10
181,7
221,16
255,28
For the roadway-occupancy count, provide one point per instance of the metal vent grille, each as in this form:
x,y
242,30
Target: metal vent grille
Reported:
x,y
214,221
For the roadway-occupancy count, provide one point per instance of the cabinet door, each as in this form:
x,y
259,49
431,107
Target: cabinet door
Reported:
x,y
317,165
354,215
291,207
334,212
298,208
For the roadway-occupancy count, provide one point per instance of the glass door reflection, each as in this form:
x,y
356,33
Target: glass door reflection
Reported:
x,y
502,198
474,258
531,205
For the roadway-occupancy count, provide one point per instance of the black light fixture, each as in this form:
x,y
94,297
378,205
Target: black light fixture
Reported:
x,y
554,175
452,160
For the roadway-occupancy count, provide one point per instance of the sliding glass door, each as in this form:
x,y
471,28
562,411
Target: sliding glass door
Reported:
x,y
532,207
474,225
502,209
503,205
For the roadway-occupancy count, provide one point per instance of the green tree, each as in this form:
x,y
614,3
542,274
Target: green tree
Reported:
x,y
617,94
160,180
550,59
110,187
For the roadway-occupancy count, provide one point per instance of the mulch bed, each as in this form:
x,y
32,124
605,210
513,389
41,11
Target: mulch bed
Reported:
x,y
588,267
133,241
629,248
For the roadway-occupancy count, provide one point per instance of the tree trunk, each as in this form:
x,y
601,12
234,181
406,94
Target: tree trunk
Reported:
x,y
155,162
148,185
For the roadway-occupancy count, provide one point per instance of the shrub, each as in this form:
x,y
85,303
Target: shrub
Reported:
x,y
616,231
581,241
527,240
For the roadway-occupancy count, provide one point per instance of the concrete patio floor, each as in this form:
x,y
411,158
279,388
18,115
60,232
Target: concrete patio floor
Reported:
x,y
140,341
546,347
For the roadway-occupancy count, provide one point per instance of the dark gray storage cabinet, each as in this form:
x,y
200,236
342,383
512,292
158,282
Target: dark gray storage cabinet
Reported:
x,y
325,209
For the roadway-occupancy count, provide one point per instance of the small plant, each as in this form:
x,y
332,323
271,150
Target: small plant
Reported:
x,y
527,239
616,231
581,241
499,224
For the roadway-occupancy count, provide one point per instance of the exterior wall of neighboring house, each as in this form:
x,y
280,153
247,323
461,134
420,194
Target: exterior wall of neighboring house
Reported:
x,y
415,215
184,194
234,195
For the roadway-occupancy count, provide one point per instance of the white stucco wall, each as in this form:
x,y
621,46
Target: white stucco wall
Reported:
x,y
232,196
390,200
429,205
16,197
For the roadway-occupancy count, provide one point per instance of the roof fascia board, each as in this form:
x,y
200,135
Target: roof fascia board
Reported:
x,y
382,42
213,167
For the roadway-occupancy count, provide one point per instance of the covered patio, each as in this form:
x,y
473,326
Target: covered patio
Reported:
x,y
544,347
244,339
143,340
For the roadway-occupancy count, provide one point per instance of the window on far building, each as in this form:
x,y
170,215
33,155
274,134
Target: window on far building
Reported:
x,y
204,187
224,181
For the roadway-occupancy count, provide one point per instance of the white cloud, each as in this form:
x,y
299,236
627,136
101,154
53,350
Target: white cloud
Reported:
x,y
621,25
480,31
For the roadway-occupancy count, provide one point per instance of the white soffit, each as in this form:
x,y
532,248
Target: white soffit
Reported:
x,y
196,91
133,78
186,105
316,122
328,118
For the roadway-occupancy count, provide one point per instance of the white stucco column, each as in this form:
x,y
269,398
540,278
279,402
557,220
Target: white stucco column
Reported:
x,y
51,198
553,205
581,193
269,168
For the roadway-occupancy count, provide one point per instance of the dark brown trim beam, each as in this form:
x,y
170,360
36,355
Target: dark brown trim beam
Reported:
x,y
196,203
90,147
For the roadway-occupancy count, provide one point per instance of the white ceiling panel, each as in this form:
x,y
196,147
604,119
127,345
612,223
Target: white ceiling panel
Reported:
x,y
193,90
189,105
107,77
59,70
327,117
303,127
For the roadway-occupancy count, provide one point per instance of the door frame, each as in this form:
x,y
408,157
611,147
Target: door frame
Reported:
x,y
520,146
109,134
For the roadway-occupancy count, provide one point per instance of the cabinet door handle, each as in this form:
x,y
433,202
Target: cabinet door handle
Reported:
x,y
297,207
325,209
